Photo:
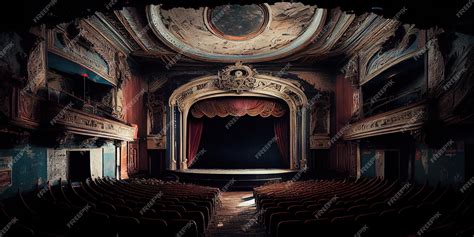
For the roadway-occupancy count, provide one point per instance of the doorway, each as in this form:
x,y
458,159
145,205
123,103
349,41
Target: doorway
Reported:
x,y
79,165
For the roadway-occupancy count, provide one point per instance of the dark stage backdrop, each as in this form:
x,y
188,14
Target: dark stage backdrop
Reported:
x,y
233,143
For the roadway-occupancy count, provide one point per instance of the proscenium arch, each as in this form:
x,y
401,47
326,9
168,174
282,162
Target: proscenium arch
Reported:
x,y
202,88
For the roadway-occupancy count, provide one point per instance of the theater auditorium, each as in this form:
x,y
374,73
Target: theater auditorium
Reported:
x,y
237,118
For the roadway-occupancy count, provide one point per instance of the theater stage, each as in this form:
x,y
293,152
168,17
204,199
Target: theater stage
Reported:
x,y
244,179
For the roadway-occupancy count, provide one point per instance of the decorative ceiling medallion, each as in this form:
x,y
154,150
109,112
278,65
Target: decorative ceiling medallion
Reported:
x,y
238,78
237,22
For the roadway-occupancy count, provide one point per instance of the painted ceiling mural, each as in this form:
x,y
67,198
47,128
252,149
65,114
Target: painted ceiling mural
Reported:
x,y
278,32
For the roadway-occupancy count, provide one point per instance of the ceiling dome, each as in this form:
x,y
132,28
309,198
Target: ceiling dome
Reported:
x,y
237,22
230,33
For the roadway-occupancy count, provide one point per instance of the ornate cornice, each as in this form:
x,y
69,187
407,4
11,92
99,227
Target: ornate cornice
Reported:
x,y
401,120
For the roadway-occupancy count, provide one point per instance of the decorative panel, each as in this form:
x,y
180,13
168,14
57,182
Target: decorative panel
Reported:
x,y
79,122
400,120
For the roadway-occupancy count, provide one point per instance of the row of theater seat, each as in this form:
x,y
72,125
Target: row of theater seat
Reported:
x,y
366,206
107,207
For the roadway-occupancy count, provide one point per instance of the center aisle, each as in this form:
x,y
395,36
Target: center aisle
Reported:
x,y
236,213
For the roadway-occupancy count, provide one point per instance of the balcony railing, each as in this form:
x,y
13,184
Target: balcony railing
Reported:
x,y
87,105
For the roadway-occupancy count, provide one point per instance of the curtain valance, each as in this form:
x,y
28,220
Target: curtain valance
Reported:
x,y
233,106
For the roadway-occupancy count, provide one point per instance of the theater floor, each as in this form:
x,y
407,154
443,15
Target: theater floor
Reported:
x,y
236,217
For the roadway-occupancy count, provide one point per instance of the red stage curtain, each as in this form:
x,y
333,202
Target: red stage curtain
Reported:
x,y
234,106
282,135
194,138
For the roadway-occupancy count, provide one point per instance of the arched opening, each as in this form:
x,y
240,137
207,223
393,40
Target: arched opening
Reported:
x,y
258,86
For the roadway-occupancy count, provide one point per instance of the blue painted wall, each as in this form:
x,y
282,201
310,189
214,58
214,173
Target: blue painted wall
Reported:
x,y
109,161
367,160
29,168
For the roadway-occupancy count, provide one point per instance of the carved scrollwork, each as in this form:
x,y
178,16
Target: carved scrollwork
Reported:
x,y
238,78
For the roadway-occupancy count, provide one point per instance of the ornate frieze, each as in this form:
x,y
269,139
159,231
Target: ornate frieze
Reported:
x,y
81,123
400,120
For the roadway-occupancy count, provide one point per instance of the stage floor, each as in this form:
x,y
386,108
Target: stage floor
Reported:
x,y
236,171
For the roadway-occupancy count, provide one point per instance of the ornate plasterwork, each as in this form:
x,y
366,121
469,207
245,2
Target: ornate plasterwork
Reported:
x,y
36,67
238,78
291,27
78,122
267,86
436,66
400,120
264,84
99,56
377,58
